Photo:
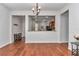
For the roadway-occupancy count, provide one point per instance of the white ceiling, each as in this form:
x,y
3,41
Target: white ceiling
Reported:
x,y
28,6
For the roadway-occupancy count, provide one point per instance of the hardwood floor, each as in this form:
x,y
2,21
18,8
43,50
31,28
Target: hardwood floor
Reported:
x,y
35,49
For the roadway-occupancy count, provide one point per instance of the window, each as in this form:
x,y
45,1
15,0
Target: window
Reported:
x,y
43,23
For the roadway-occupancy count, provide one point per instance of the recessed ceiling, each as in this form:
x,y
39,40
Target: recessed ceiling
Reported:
x,y
28,6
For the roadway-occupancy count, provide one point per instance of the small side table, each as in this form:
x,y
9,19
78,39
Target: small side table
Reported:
x,y
75,51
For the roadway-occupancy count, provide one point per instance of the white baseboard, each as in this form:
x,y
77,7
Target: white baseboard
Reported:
x,y
44,42
39,42
63,41
4,44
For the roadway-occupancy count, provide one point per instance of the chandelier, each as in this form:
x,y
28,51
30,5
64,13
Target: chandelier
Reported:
x,y
36,9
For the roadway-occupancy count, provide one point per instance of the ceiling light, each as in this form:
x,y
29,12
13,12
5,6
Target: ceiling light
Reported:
x,y
36,9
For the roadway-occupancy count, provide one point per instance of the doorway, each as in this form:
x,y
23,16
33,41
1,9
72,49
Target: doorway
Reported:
x,y
64,27
18,28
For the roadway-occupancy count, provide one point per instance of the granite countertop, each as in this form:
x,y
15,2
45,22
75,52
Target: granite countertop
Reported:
x,y
76,43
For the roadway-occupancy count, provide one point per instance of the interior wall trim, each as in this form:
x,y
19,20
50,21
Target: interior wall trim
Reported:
x,y
45,42
4,44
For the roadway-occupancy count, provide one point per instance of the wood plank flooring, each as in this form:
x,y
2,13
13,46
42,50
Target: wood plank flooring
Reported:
x,y
35,49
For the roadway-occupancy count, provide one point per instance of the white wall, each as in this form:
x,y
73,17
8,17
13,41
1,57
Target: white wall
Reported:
x,y
73,22
18,28
4,26
34,36
42,37
64,27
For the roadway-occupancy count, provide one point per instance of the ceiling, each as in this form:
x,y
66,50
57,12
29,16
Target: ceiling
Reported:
x,y
29,6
